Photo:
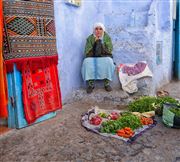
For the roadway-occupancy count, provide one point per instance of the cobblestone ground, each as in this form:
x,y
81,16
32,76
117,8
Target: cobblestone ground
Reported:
x,y
173,88
64,139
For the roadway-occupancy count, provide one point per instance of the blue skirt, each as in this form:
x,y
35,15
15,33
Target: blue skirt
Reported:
x,y
98,68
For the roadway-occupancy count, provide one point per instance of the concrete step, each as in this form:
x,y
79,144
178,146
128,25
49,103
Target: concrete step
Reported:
x,y
100,95
115,97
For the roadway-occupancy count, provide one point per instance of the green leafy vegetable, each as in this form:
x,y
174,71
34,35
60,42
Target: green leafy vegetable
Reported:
x,y
131,121
103,115
127,120
145,104
142,104
176,111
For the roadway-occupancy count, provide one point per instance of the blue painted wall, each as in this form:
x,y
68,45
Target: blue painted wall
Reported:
x,y
134,37
73,24
164,32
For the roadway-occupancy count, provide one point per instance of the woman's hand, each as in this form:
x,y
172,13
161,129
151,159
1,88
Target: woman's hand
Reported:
x,y
97,38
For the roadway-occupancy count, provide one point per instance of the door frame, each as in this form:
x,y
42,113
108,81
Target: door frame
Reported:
x,y
176,56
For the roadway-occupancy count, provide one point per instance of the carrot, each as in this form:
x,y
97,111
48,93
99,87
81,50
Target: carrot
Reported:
x,y
126,136
127,128
127,132
131,134
120,131
146,121
121,134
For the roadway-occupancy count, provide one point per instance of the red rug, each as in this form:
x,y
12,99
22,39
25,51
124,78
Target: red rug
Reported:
x,y
41,92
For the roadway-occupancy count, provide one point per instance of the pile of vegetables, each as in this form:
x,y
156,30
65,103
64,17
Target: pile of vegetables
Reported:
x,y
146,121
126,120
176,111
140,113
130,120
110,126
143,104
147,103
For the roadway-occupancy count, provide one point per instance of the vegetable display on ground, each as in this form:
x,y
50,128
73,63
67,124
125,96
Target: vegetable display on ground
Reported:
x,y
127,120
148,103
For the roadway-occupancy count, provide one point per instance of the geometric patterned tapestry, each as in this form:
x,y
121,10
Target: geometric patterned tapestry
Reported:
x,y
29,31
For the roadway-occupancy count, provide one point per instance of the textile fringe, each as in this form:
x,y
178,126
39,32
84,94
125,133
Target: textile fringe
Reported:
x,y
35,62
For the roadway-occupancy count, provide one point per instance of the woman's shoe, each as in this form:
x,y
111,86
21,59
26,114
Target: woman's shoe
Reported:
x,y
108,88
89,89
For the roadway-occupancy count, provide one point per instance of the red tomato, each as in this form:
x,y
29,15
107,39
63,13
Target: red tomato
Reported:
x,y
96,120
114,116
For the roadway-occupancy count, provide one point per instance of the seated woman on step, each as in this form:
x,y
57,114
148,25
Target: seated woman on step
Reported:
x,y
98,64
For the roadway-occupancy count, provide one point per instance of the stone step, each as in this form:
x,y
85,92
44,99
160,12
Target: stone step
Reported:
x,y
99,95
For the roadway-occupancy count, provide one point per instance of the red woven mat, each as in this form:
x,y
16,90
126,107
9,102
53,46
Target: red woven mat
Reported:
x,y
41,92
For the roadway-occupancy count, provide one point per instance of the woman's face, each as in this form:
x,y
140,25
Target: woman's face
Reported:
x,y
98,31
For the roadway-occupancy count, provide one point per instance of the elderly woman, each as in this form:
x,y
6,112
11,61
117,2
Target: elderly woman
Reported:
x,y
98,64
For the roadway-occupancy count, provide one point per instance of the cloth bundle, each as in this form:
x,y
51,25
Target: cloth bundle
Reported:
x,y
129,73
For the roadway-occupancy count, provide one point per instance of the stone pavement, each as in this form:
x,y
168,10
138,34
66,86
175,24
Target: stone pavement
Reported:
x,y
64,139
173,88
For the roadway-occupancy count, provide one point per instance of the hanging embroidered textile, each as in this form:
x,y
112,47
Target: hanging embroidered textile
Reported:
x,y
30,32
41,93
3,86
30,43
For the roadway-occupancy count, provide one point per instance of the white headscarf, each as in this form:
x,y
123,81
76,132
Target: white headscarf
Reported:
x,y
98,24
